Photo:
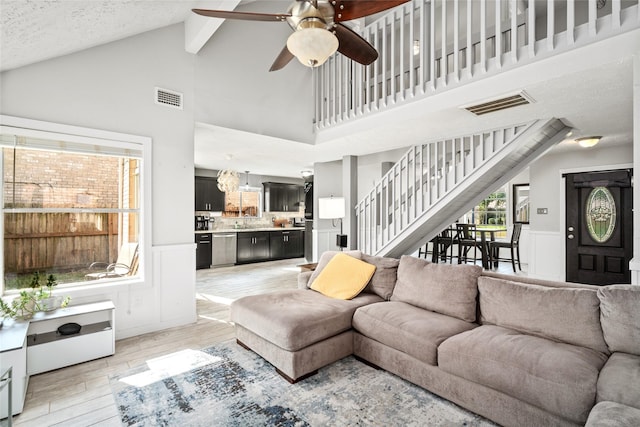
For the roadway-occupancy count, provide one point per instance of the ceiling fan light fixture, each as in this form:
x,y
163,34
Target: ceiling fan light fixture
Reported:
x,y
312,46
588,141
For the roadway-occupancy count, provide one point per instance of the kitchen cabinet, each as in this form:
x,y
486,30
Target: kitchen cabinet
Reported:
x,y
252,247
280,197
208,196
203,250
286,244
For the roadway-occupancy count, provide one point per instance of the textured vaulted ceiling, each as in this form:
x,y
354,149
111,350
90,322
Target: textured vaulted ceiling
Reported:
x,y
595,97
32,31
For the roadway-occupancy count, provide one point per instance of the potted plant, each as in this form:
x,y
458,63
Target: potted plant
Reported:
x,y
45,300
21,307
38,298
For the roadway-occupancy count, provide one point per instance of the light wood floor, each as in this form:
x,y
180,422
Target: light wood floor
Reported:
x,y
80,395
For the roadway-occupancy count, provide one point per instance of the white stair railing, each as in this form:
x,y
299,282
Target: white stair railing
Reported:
x,y
426,46
422,177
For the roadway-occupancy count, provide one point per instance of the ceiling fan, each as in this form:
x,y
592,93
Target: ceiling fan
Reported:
x,y
318,31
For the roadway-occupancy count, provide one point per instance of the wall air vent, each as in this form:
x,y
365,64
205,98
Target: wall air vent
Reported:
x,y
521,98
168,98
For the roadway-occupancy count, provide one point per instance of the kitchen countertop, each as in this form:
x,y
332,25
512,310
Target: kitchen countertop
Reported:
x,y
244,230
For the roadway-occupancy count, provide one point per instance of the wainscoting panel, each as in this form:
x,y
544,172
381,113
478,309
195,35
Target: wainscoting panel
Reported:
x,y
324,240
174,274
546,255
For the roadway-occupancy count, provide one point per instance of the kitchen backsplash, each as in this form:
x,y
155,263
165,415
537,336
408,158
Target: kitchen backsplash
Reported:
x,y
268,219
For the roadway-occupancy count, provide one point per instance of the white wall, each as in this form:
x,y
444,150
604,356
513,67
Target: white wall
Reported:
x,y
370,169
327,181
235,90
111,87
546,248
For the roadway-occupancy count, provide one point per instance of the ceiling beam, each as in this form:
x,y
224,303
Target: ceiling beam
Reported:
x,y
199,29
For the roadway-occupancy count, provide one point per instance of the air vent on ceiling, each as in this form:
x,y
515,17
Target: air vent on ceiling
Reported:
x,y
168,98
521,98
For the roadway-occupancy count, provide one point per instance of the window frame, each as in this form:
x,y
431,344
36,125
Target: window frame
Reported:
x,y
96,137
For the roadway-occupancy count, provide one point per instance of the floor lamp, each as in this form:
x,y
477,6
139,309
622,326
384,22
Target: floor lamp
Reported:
x,y
333,208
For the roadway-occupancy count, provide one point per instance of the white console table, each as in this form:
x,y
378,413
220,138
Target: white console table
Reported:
x,y
34,346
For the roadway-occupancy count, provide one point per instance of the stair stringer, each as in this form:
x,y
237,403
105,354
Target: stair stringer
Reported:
x,y
504,165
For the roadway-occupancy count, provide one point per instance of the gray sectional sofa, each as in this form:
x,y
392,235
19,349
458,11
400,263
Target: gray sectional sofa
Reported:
x,y
520,352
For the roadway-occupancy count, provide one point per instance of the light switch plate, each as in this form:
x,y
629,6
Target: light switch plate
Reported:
x,y
542,211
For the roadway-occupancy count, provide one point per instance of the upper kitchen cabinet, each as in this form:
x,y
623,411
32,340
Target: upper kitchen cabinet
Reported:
x,y
279,197
208,196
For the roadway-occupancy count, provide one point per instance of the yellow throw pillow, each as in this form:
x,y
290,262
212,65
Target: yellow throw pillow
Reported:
x,y
344,277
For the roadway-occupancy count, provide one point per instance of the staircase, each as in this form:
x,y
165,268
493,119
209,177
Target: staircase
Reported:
x,y
435,183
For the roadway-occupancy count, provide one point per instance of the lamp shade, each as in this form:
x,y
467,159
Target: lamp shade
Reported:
x,y
228,181
331,208
312,46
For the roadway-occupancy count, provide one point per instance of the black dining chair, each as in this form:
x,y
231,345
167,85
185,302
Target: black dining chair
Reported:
x,y
466,240
442,247
513,245
445,246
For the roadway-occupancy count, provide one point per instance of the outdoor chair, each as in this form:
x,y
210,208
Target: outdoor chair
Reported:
x,y
125,265
513,245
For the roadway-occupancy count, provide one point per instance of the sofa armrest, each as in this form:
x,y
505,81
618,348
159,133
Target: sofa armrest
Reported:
x,y
610,414
303,279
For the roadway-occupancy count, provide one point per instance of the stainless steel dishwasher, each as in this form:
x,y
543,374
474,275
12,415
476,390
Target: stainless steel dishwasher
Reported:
x,y
224,249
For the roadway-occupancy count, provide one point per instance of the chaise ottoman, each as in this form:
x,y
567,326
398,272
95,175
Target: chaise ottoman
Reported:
x,y
298,331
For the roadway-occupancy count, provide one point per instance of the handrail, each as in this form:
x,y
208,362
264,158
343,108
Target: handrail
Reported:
x,y
478,38
423,176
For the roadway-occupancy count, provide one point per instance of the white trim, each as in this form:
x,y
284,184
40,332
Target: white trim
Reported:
x,y
30,127
563,202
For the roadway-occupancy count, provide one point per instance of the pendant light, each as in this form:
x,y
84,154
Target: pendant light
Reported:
x,y
228,181
246,185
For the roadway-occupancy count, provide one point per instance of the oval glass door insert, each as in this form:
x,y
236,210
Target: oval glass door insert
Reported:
x,y
600,214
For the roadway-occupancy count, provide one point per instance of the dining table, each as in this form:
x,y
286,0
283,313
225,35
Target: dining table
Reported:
x,y
486,236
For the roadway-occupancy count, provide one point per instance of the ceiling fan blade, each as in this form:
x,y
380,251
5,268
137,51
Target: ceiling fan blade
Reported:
x,y
347,10
246,16
282,60
353,46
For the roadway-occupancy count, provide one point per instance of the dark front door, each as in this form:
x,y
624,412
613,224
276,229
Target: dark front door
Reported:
x,y
599,227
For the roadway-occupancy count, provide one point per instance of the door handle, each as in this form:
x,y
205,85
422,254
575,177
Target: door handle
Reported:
x,y
570,229
570,236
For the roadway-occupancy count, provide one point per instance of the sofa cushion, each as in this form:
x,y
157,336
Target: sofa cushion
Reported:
x,y
620,317
612,414
619,380
324,260
294,319
561,314
443,288
410,329
559,378
384,279
344,277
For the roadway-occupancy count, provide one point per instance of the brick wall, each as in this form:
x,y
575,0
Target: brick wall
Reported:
x,y
46,179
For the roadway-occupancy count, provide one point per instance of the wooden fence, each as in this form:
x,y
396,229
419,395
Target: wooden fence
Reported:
x,y
58,241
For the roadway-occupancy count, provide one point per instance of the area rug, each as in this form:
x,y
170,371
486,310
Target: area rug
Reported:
x,y
226,385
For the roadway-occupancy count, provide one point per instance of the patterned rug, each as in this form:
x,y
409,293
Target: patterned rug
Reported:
x,y
226,385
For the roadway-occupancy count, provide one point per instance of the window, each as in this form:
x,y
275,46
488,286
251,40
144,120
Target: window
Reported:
x,y
490,212
243,203
72,207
